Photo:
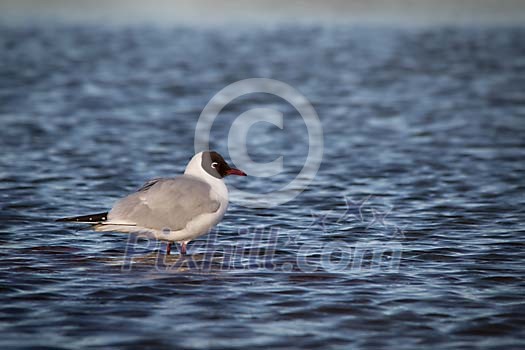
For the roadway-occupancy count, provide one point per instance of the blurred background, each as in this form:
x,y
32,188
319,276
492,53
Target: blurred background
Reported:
x,y
422,104
404,12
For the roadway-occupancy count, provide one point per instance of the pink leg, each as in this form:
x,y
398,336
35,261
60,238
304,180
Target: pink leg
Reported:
x,y
183,248
168,248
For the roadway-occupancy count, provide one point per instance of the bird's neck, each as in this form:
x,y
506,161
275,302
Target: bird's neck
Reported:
x,y
217,185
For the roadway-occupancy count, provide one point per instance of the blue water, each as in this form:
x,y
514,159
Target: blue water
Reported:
x,y
424,127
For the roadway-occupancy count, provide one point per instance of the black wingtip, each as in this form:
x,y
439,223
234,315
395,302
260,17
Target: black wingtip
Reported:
x,y
93,218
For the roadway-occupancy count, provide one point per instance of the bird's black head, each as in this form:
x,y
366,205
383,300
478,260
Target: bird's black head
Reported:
x,y
215,165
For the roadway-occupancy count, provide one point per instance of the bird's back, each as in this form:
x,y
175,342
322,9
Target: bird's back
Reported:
x,y
169,203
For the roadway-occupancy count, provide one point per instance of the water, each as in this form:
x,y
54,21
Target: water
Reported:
x,y
426,125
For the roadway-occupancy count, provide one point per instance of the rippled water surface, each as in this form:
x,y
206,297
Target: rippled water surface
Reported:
x,y
425,128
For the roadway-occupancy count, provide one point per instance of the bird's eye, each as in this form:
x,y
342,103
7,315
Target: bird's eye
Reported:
x,y
214,165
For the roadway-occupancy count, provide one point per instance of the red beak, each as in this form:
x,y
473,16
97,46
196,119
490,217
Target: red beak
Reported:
x,y
237,172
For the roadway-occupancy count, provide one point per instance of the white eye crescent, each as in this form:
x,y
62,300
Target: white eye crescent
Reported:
x,y
214,165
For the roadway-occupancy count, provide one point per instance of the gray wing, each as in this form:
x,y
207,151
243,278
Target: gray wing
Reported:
x,y
165,204
148,184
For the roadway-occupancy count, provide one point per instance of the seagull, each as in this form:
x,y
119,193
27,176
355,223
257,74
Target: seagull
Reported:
x,y
175,210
